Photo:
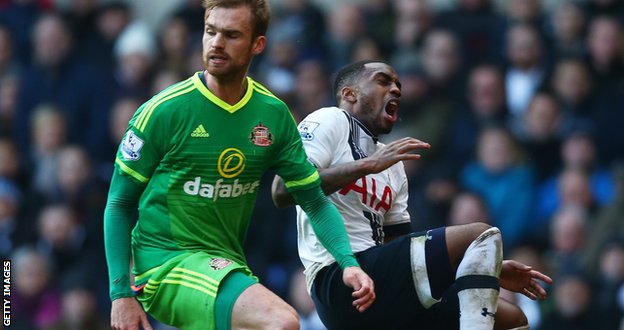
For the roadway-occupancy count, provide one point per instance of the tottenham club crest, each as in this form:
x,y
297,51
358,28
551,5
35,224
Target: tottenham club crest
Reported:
x,y
219,263
261,136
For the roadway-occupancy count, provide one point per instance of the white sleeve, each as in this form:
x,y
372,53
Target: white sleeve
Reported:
x,y
323,132
398,211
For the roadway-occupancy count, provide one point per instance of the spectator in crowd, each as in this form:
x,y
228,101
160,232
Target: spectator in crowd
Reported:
x,y
311,89
304,21
581,180
380,19
467,207
414,18
477,26
504,180
193,14
173,40
573,308
11,167
345,26
49,135
81,19
62,238
278,67
526,68
77,186
8,61
567,27
572,86
567,237
485,105
538,132
57,77
20,17
609,284
607,224
604,43
135,53
9,85
111,18
79,311
525,11
35,299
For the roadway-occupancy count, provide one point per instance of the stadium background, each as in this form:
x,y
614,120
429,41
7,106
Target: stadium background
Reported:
x,y
522,101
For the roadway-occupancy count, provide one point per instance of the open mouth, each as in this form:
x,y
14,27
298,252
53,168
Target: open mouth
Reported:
x,y
392,108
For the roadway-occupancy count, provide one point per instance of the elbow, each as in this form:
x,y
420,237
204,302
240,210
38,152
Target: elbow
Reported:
x,y
279,193
278,202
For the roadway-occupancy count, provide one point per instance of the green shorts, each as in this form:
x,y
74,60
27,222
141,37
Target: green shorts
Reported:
x,y
195,291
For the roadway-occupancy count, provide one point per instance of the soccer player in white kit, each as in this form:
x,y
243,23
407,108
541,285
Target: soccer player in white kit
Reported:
x,y
436,278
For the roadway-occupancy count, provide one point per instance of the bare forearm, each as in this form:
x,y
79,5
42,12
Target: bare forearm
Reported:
x,y
337,177
333,179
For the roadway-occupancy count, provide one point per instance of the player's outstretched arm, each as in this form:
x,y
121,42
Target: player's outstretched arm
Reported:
x,y
127,314
337,177
518,277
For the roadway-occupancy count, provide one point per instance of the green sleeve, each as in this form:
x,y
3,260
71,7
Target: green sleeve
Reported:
x,y
119,218
327,224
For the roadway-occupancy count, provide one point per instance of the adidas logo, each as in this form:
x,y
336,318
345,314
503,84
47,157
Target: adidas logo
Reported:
x,y
200,132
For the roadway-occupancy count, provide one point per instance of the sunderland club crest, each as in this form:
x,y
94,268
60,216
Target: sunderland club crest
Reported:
x,y
219,263
261,136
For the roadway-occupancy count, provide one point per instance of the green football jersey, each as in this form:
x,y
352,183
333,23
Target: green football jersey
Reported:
x,y
201,160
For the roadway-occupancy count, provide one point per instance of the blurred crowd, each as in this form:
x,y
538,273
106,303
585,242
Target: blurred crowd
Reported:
x,y
521,100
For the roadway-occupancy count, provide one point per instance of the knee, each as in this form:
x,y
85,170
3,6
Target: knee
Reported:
x,y
511,317
285,319
478,228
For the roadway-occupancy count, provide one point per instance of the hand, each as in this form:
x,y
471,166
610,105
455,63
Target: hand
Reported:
x,y
127,314
518,277
395,152
363,287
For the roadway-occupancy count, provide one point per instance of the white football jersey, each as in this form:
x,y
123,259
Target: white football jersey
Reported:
x,y
331,136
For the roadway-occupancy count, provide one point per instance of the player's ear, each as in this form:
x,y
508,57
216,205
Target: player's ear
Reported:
x,y
348,94
258,45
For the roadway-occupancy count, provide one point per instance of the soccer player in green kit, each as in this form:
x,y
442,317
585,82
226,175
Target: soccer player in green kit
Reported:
x,y
191,160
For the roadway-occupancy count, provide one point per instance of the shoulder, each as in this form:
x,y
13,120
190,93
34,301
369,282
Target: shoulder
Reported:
x,y
166,103
264,96
332,114
330,120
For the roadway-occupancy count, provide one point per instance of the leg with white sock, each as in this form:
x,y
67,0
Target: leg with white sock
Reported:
x,y
477,274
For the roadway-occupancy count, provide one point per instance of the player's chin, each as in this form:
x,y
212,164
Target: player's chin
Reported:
x,y
386,129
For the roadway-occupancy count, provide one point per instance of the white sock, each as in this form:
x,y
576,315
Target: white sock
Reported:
x,y
477,281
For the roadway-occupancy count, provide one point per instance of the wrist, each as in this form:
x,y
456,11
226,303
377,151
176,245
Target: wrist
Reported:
x,y
348,261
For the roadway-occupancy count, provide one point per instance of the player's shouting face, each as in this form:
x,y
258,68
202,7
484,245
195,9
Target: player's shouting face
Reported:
x,y
228,42
377,98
